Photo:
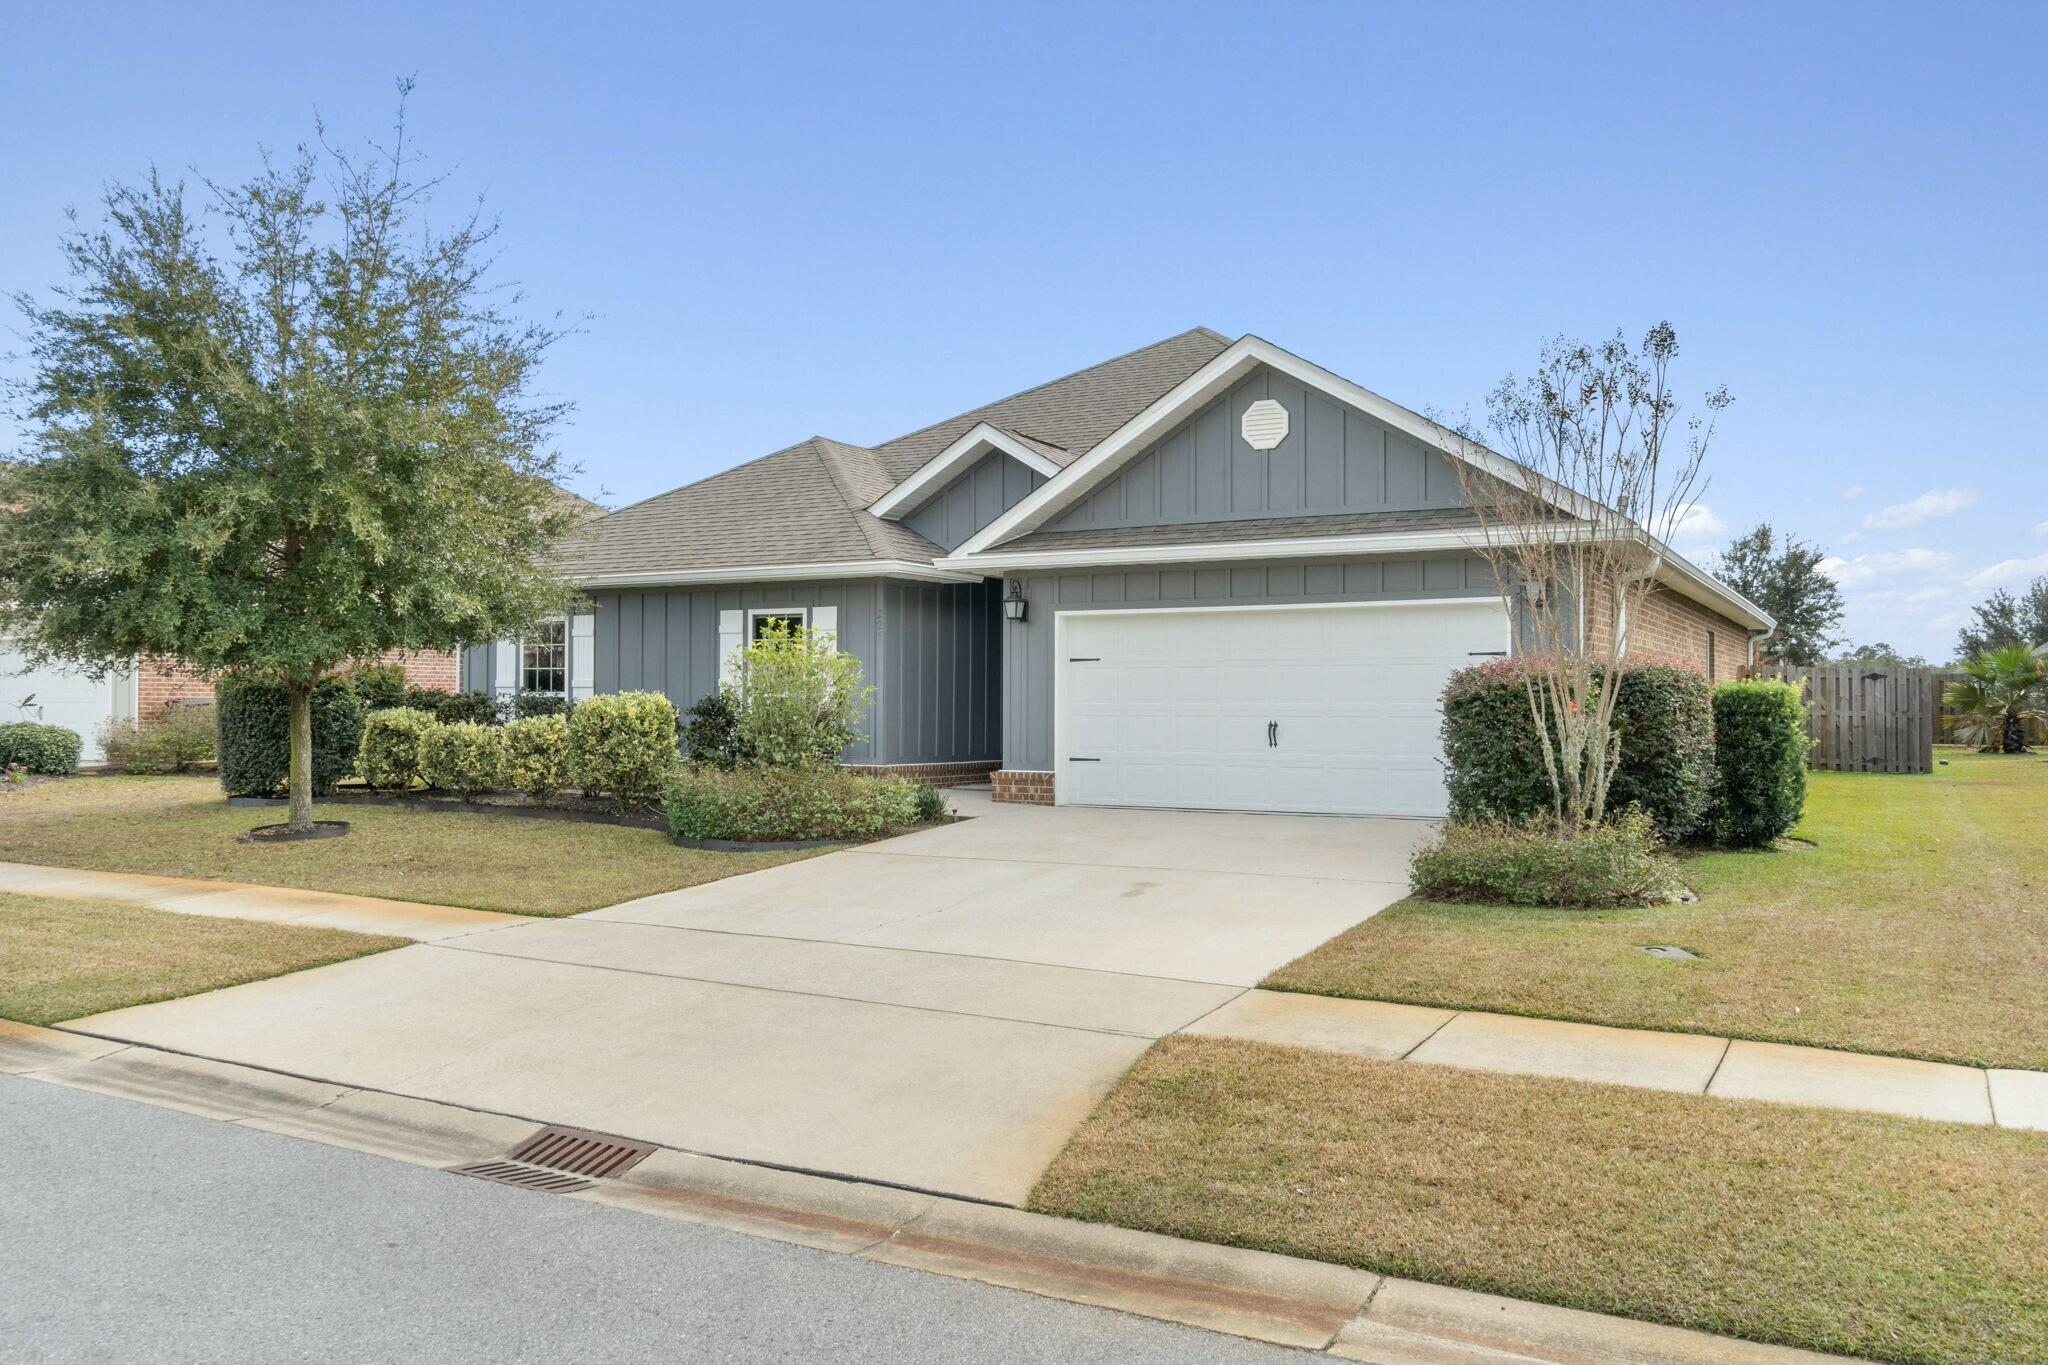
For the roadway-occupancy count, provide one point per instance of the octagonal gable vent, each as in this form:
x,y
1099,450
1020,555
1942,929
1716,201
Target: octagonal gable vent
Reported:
x,y
1264,425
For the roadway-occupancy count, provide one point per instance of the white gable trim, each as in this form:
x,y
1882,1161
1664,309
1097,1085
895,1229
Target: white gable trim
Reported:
x,y
939,470
1236,361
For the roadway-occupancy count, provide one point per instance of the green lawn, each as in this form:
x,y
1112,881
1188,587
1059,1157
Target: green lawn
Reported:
x,y
1917,926
61,959
1893,1238
181,827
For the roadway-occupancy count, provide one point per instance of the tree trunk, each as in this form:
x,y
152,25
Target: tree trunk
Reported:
x,y
299,813
2015,735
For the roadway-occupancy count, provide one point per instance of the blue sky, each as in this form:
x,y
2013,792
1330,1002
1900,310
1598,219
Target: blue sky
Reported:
x,y
855,220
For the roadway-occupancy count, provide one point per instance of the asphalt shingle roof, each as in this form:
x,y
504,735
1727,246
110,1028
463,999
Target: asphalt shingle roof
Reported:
x,y
807,504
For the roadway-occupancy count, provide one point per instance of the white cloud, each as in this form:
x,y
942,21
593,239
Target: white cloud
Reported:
x,y
2042,529
1852,492
1929,506
1698,524
1882,564
2009,571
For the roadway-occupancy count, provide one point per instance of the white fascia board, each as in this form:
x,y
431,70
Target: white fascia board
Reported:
x,y
923,570
991,562
1219,374
940,468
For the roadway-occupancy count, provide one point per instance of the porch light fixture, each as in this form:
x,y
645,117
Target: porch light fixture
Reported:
x,y
1013,601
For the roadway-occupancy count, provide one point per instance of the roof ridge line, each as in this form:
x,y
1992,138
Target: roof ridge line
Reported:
x,y
1061,379
828,460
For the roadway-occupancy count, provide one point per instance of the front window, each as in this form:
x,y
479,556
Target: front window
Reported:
x,y
544,659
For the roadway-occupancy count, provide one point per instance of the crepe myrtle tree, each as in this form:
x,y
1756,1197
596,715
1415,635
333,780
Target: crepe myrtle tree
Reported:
x,y
1603,464
286,427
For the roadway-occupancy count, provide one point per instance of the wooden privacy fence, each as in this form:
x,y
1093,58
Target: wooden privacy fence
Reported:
x,y
1866,720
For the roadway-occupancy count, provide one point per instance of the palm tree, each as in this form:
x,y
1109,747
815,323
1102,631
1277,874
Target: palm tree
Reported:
x,y
2003,689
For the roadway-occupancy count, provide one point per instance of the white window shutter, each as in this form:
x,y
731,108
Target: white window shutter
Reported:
x,y
505,667
731,634
825,622
582,655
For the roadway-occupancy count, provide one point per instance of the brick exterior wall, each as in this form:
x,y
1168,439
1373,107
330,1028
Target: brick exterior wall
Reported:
x,y
1023,786
930,774
159,682
1677,628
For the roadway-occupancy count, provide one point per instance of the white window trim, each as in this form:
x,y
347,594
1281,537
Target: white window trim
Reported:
x,y
519,661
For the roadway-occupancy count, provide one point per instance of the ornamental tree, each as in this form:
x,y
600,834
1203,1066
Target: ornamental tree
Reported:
x,y
285,428
1601,467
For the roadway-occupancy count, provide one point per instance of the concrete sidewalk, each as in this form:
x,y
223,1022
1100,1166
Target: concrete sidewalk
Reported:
x,y
1691,1063
241,900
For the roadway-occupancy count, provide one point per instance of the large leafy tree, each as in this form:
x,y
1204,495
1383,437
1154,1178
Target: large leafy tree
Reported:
x,y
285,428
1881,655
2006,618
1783,576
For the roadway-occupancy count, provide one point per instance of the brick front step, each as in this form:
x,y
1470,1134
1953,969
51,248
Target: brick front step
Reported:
x,y
931,774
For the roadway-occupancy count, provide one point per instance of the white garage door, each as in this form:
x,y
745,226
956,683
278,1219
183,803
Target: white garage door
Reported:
x,y
57,696
1314,709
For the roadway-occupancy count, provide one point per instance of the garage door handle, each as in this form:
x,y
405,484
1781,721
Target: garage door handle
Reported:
x,y
1272,734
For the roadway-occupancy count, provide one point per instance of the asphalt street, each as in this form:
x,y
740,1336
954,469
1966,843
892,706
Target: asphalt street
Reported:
x,y
140,1234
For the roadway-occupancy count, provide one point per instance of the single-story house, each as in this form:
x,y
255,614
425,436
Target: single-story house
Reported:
x,y
1208,573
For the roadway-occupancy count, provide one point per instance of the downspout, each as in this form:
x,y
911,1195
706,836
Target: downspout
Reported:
x,y
1757,637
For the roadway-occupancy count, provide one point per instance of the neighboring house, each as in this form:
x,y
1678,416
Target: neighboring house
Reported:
x,y
1204,574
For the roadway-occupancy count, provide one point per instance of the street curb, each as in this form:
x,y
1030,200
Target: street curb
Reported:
x,y
1350,1314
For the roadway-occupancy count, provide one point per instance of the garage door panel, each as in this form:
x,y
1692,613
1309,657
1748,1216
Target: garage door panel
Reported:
x,y
1175,710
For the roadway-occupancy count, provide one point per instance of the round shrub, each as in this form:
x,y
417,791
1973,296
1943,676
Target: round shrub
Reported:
x,y
711,730
623,745
537,755
777,804
48,750
930,804
390,755
253,719
465,757
1760,747
1663,717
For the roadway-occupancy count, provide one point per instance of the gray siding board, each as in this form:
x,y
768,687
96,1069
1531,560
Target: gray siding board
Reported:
x,y
928,650
1027,654
1334,460
974,498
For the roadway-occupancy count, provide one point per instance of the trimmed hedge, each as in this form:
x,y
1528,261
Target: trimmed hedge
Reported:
x,y
456,708
1663,715
1499,862
390,756
1760,746
623,744
380,685
537,755
47,750
773,804
465,757
253,720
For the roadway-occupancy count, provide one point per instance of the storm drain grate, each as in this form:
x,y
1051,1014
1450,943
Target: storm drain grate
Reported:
x,y
560,1160
524,1176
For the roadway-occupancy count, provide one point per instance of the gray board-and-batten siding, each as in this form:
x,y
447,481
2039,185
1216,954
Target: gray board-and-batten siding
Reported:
x,y
931,651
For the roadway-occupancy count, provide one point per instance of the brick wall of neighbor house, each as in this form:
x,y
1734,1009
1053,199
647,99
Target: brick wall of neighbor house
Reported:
x,y
1678,628
159,682
1022,786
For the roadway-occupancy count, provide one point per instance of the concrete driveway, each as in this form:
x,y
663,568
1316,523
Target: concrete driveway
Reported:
x,y
938,1011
